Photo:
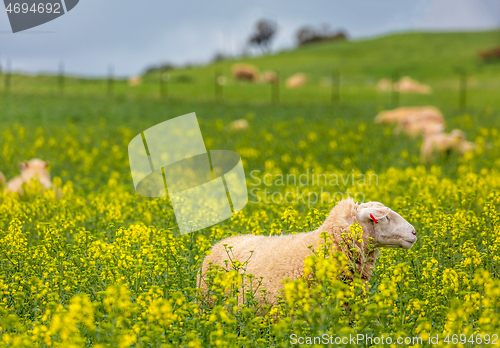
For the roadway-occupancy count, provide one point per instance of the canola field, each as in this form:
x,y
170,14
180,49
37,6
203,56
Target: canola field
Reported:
x,y
104,267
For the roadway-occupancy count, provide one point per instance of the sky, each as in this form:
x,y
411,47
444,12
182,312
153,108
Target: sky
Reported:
x,y
131,35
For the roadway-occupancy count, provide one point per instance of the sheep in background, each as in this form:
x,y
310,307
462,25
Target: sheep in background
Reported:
x,y
385,85
270,76
295,81
33,169
429,113
238,125
134,81
279,257
404,85
408,85
245,72
445,143
415,126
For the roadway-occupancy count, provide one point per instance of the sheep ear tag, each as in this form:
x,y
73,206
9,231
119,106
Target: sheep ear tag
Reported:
x,y
373,218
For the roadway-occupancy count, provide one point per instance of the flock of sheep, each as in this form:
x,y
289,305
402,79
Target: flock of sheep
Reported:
x,y
405,85
250,73
33,169
428,122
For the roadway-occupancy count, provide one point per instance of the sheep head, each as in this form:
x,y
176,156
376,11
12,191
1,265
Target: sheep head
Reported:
x,y
386,227
33,167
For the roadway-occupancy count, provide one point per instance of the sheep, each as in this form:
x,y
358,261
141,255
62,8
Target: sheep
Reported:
x,y
270,76
384,85
428,113
295,81
134,81
238,125
404,85
442,142
415,126
245,72
408,85
279,257
33,169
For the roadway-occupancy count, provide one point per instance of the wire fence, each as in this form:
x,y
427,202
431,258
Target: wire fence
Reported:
x,y
335,89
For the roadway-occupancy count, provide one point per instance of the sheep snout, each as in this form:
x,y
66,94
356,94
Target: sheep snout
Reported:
x,y
394,232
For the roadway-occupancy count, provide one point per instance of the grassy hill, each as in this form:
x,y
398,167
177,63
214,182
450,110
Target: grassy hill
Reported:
x,y
432,58
428,56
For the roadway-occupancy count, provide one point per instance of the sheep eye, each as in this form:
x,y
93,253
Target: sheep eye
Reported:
x,y
388,219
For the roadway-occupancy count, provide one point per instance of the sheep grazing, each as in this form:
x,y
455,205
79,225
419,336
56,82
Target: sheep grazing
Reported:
x,y
417,126
246,72
414,120
270,76
134,81
404,85
408,85
384,85
295,81
428,113
238,125
33,169
445,143
279,257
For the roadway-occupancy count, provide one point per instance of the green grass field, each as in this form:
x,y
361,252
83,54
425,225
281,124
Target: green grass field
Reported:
x,y
104,267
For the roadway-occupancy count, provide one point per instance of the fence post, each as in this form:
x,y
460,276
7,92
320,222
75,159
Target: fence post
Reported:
x,y
163,84
462,93
335,86
111,81
7,76
61,78
395,89
218,86
275,89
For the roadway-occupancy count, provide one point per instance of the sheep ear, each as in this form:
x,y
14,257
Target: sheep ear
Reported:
x,y
23,165
372,214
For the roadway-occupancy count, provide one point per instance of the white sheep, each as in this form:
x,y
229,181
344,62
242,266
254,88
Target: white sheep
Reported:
x,y
238,125
295,81
270,76
399,115
33,169
445,143
423,126
404,85
408,85
279,257
134,81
